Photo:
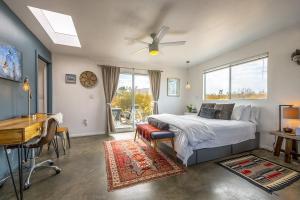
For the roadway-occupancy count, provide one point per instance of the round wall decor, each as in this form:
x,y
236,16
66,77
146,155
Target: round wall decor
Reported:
x,y
88,79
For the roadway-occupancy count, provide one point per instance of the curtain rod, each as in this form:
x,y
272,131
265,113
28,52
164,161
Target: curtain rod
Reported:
x,y
136,68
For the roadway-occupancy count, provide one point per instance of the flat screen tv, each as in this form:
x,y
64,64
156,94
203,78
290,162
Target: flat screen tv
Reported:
x,y
10,63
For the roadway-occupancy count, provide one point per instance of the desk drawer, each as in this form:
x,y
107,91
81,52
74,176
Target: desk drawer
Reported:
x,y
10,137
32,131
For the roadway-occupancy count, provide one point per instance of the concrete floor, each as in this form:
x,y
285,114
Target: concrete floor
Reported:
x,y
83,177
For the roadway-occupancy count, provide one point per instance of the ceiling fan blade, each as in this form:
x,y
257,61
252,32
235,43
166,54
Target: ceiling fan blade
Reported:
x,y
161,33
136,41
178,43
140,50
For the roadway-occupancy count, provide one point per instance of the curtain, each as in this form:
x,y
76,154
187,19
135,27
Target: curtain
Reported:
x,y
110,77
154,77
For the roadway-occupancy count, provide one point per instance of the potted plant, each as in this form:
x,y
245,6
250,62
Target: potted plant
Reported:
x,y
189,108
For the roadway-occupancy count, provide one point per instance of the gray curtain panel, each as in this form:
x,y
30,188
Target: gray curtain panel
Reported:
x,y
154,77
110,77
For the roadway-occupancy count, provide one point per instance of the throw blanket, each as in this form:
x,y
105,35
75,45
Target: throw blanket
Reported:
x,y
188,132
145,130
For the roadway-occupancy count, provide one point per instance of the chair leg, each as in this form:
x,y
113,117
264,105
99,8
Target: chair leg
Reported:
x,y
68,138
49,144
35,165
55,146
63,142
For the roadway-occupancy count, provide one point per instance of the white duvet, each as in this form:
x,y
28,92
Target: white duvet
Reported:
x,y
193,132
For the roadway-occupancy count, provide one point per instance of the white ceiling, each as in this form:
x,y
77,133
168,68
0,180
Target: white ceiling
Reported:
x,y
210,27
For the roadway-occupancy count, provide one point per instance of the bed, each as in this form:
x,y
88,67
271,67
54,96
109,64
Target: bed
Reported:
x,y
200,139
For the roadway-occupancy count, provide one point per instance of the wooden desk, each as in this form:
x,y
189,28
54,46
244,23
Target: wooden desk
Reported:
x,y
290,145
18,131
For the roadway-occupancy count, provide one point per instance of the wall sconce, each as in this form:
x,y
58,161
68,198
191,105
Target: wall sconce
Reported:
x,y
188,85
26,88
296,56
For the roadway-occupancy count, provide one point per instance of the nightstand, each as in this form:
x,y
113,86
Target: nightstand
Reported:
x,y
290,145
190,113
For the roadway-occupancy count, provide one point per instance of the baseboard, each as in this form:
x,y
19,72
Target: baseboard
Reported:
x,y
266,147
82,134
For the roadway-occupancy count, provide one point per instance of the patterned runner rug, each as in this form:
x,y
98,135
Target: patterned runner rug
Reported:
x,y
261,172
129,163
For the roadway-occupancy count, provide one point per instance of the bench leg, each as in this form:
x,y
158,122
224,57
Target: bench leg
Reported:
x,y
135,134
173,147
172,142
155,144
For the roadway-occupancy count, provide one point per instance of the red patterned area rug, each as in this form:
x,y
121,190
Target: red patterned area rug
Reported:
x,y
263,173
129,163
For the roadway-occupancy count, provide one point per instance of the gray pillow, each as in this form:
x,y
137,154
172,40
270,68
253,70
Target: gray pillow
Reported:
x,y
206,105
224,111
208,113
158,124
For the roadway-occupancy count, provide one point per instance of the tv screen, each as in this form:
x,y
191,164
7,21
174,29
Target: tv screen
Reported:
x,y
10,63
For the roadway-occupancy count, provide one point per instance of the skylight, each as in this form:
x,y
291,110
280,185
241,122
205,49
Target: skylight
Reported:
x,y
59,27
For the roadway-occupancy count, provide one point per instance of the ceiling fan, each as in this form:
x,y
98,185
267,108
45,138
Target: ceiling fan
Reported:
x,y
153,47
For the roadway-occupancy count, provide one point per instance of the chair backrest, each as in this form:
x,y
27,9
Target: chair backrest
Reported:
x,y
51,130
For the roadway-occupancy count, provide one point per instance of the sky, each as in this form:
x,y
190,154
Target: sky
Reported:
x,y
141,81
252,75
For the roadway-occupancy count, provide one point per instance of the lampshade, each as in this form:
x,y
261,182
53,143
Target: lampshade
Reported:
x,y
291,113
26,85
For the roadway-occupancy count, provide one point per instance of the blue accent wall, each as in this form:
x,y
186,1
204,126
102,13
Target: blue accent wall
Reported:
x,y
13,101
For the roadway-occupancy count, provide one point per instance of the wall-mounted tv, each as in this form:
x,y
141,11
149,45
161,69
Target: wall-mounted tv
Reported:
x,y
10,63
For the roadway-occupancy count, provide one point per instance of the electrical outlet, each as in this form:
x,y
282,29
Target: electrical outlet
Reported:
x,y
85,122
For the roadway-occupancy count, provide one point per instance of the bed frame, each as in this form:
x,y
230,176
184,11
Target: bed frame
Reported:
x,y
202,155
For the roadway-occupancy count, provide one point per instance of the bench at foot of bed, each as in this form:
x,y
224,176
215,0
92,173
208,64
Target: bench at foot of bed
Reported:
x,y
154,135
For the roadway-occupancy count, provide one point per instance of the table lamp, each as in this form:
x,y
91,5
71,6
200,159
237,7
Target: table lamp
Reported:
x,y
290,112
26,88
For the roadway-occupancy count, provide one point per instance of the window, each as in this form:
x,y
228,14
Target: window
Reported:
x,y
244,80
132,103
58,26
217,84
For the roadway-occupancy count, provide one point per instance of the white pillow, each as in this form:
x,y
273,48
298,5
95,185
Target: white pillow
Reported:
x,y
246,113
237,112
254,114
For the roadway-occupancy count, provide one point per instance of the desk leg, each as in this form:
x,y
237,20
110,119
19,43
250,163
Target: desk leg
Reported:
x,y
20,158
11,173
278,146
288,150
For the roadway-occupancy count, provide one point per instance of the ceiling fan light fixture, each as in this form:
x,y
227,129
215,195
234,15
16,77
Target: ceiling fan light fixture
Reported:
x,y
153,52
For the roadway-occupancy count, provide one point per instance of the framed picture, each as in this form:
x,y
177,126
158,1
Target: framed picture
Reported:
x,y
70,78
173,88
10,63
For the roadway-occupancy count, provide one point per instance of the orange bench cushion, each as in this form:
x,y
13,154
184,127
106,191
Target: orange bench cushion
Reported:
x,y
145,130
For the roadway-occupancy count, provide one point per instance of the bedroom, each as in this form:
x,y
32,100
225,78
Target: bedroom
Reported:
x,y
212,36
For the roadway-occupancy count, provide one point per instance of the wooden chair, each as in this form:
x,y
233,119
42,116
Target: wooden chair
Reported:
x,y
63,133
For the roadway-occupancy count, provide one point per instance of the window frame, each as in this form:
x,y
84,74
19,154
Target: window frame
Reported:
x,y
229,66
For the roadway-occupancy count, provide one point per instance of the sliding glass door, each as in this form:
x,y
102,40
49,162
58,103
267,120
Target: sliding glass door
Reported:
x,y
133,101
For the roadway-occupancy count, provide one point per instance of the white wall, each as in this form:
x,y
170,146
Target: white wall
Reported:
x,y
78,103
283,77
